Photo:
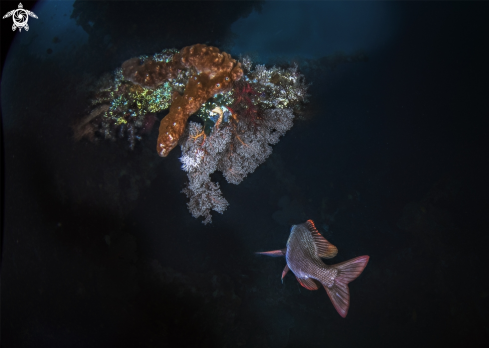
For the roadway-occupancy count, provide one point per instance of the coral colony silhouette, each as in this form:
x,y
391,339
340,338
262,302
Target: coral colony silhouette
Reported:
x,y
243,109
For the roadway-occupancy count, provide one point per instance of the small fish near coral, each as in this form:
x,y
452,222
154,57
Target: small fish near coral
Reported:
x,y
305,248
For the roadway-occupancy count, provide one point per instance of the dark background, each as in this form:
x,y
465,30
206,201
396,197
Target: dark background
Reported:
x,y
389,160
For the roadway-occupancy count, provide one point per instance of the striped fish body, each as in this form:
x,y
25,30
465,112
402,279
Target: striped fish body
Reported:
x,y
302,256
305,249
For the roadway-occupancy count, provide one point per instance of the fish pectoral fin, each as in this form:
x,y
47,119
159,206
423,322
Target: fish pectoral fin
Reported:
x,y
324,248
284,272
273,253
308,283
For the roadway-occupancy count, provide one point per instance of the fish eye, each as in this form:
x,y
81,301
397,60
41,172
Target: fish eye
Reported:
x,y
227,78
218,85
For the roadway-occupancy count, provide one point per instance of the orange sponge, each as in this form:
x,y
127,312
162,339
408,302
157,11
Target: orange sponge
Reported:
x,y
213,72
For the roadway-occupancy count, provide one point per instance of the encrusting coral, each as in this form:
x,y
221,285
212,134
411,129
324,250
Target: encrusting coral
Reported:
x,y
120,108
213,72
243,108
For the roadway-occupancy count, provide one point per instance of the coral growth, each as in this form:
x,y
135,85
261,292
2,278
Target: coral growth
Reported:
x,y
236,149
244,110
239,128
213,72
120,108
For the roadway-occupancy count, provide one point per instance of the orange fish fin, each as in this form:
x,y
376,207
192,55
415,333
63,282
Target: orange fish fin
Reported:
x,y
284,272
308,283
273,253
324,248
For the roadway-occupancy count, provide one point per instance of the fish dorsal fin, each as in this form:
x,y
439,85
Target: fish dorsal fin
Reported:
x,y
325,249
308,283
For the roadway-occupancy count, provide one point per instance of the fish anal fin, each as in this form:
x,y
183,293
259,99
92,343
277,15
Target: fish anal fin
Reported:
x,y
339,294
308,283
324,248
273,253
284,272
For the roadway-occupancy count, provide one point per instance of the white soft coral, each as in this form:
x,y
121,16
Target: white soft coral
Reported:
x,y
191,160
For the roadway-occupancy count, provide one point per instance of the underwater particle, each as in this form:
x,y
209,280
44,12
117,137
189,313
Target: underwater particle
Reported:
x,y
148,123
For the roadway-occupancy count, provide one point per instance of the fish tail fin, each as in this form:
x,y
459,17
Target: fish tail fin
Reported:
x,y
347,272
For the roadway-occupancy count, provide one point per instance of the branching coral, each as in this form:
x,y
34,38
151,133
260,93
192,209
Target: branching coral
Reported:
x,y
243,126
236,148
213,72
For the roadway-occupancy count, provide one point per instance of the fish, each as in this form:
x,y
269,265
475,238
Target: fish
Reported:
x,y
303,253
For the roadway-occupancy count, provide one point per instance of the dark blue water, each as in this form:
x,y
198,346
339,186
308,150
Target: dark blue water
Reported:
x,y
388,158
